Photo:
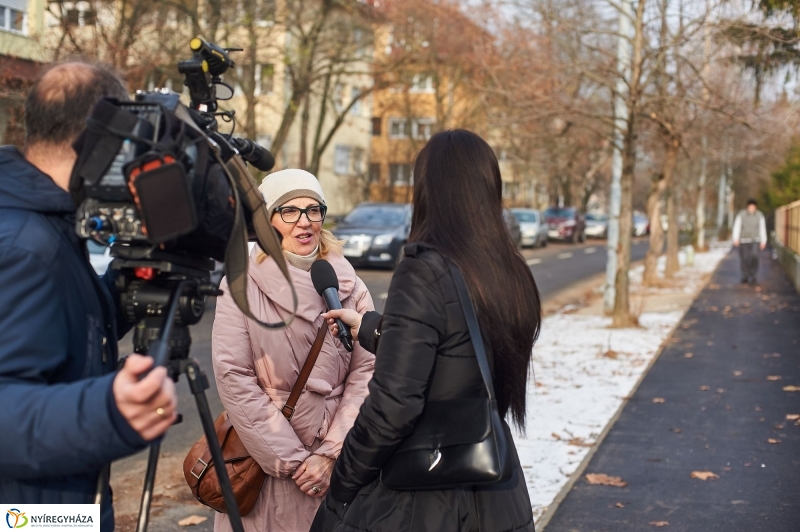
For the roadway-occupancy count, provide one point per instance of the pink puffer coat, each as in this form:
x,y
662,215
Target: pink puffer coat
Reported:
x,y
255,369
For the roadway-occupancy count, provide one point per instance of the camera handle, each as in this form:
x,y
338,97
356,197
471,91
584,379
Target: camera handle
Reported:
x,y
198,384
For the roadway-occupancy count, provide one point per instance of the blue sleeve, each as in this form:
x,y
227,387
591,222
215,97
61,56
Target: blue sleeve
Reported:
x,y
48,429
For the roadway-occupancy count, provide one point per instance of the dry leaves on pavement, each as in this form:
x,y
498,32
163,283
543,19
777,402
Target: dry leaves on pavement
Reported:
x,y
688,355
192,520
773,441
658,399
791,388
704,475
773,377
659,524
619,505
792,417
605,480
704,388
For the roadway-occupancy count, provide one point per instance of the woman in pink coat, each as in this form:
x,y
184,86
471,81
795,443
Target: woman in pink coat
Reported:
x,y
256,368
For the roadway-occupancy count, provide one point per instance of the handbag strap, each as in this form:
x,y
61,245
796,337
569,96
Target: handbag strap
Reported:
x,y
474,329
291,402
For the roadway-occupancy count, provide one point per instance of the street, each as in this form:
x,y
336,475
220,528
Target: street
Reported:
x,y
554,267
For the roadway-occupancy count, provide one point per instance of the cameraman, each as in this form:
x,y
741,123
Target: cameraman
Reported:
x,y
66,413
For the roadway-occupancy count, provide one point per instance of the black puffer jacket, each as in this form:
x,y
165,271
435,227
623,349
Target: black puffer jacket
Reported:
x,y
424,353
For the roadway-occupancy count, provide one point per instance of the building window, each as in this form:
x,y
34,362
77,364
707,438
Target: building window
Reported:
x,y
376,126
355,93
12,16
398,128
422,83
374,172
341,160
338,97
422,128
400,174
265,82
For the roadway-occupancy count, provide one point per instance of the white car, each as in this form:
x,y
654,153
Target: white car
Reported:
x,y
99,256
531,226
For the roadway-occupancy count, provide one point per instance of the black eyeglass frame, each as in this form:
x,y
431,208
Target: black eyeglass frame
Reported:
x,y
322,208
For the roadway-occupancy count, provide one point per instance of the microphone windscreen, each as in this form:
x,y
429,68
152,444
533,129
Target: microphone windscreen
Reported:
x,y
323,276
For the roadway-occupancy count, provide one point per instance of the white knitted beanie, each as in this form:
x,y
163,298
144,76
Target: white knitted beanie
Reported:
x,y
286,185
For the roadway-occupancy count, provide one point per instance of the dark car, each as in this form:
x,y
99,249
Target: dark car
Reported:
x,y
374,233
513,228
565,223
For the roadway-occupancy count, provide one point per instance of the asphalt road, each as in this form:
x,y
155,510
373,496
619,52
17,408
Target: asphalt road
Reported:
x,y
554,267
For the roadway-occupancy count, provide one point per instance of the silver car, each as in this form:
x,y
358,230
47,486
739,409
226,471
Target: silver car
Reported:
x,y
532,227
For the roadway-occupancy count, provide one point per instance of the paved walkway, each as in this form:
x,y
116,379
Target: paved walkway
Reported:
x,y
717,401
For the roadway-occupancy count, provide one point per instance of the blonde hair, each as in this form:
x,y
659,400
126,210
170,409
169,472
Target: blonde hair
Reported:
x,y
327,244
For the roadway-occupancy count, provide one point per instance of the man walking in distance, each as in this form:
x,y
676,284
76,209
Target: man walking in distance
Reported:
x,y
750,236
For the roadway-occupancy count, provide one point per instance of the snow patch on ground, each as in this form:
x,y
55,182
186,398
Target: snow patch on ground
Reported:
x,y
583,370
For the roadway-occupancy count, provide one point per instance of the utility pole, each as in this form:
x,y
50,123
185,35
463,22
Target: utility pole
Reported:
x,y
620,122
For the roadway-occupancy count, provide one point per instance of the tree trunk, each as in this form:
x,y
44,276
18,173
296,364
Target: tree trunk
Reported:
x,y
672,265
621,315
304,120
656,247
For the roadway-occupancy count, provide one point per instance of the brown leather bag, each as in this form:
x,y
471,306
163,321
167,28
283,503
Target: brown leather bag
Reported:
x,y
246,475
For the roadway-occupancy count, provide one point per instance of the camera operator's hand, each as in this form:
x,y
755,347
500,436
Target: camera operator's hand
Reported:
x,y
314,475
149,405
349,317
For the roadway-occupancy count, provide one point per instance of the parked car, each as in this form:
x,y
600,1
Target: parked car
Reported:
x,y
513,228
375,233
99,256
641,225
565,223
596,226
532,226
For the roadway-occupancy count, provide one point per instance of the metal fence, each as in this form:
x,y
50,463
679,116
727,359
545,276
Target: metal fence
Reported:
x,y
787,226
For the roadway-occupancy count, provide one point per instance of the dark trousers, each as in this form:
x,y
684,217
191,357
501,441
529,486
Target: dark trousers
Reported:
x,y
748,253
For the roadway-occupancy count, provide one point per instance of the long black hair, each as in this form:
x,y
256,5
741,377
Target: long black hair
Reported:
x,y
458,210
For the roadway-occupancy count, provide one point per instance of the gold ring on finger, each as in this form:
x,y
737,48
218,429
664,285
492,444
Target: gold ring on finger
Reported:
x,y
160,411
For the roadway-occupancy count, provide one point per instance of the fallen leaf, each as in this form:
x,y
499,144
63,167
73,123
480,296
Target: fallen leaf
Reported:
x,y
605,480
737,373
659,524
778,427
619,505
704,388
792,417
773,441
688,355
747,464
773,377
578,442
703,475
658,399
556,436
791,388
720,390
676,431
192,520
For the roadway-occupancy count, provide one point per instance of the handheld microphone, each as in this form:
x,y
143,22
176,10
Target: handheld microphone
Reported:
x,y
327,285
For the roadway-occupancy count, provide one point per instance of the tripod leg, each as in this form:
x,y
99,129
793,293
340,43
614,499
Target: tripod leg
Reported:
x,y
149,481
198,384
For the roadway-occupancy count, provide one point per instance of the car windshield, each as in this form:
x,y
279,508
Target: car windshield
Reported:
x,y
376,216
524,216
95,248
559,213
595,218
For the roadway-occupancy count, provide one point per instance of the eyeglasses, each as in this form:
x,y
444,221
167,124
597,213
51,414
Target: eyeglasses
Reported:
x,y
291,215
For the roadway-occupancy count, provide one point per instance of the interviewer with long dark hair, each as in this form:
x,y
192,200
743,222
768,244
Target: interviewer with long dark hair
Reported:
x,y
424,352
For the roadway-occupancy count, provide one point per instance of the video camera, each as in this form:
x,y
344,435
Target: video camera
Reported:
x,y
157,182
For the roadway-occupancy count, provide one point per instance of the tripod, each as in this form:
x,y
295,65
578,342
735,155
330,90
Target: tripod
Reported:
x,y
165,297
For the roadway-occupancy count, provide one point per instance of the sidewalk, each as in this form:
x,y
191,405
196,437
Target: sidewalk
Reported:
x,y
719,399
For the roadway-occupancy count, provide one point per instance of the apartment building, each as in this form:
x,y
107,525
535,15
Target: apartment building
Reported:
x,y
21,25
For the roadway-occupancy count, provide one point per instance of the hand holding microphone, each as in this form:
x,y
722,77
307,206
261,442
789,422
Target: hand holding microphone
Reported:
x,y
349,317
327,285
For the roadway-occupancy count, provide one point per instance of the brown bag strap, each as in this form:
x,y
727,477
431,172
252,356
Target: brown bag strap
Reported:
x,y
222,427
288,408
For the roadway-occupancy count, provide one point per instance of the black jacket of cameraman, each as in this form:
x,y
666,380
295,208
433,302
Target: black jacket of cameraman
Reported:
x,y
425,354
58,349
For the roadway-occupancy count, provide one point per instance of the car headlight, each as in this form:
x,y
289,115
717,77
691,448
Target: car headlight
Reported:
x,y
383,240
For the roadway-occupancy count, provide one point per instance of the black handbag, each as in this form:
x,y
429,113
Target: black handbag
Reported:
x,y
458,442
